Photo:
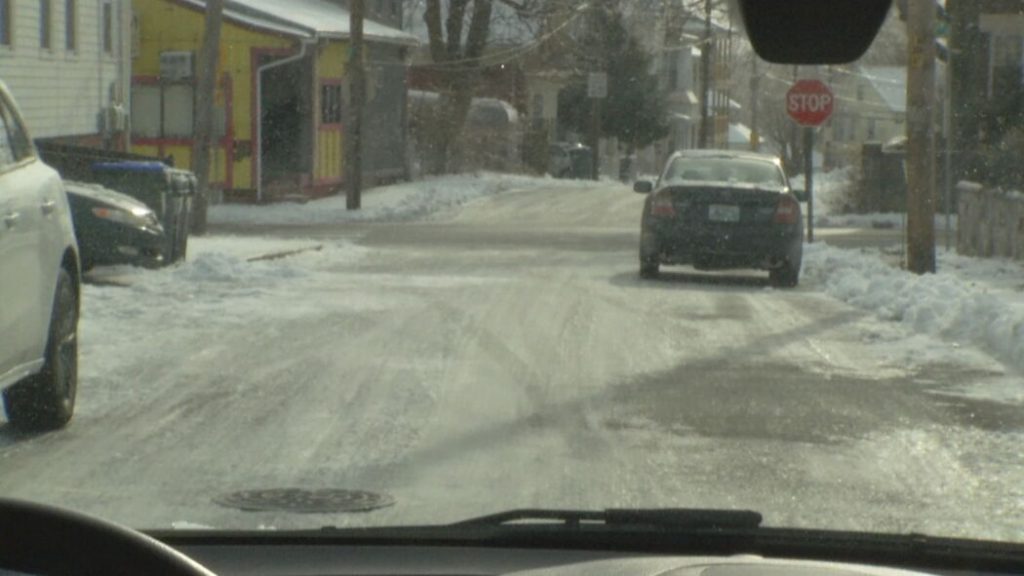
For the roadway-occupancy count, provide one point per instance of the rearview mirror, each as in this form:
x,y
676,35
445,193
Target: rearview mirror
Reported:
x,y
801,194
812,31
643,186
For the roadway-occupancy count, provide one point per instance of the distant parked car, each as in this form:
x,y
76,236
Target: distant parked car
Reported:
x,y
720,209
114,228
39,283
570,160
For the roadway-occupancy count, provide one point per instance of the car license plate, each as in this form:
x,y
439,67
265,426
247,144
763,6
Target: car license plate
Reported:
x,y
723,213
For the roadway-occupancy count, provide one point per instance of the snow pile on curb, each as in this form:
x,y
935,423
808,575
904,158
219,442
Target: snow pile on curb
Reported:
x,y
219,278
388,203
947,304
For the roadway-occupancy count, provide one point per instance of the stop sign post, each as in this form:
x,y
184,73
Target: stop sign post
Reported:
x,y
809,103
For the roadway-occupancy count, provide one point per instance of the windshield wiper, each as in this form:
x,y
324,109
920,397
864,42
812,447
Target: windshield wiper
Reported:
x,y
675,518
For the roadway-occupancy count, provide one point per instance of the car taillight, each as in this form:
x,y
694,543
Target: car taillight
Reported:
x,y
661,205
788,210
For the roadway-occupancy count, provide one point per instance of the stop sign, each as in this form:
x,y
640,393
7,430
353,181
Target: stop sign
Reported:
x,y
809,102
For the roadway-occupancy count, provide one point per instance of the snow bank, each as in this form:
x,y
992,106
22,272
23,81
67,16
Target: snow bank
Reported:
x,y
398,202
954,304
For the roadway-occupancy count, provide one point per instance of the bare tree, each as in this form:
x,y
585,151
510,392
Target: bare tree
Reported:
x,y
203,126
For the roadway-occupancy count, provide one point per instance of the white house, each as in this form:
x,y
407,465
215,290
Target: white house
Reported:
x,y
67,63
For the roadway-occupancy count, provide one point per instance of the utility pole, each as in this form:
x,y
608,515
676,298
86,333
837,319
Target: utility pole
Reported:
x,y
705,78
597,89
202,129
755,93
357,98
920,136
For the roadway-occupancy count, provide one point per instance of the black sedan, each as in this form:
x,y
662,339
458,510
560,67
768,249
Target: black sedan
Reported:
x,y
113,228
721,209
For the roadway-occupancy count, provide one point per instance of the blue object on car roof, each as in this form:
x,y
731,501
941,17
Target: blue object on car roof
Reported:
x,y
132,166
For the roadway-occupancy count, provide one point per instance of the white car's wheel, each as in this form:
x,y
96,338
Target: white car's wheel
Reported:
x,y
46,400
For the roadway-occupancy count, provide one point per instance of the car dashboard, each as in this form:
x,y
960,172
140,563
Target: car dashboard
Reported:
x,y
348,560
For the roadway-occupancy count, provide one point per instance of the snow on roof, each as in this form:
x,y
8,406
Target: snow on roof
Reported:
x,y
306,18
891,84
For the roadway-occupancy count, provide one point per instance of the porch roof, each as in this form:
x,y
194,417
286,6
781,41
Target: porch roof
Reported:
x,y
306,19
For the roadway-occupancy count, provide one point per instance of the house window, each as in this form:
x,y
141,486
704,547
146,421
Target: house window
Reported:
x,y
871,129
162,111
71,25
108,28
5,22
45,24
330,104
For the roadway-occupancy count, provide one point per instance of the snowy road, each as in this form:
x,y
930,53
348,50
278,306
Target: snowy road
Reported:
x,y
509,356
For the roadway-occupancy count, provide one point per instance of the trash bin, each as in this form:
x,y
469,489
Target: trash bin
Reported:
x,y
581,162
167,191
626,169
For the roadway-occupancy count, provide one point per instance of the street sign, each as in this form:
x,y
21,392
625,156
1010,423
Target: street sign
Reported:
x,y
809,102
597,85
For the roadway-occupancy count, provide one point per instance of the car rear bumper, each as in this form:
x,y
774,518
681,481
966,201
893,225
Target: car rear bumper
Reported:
x,y
723,247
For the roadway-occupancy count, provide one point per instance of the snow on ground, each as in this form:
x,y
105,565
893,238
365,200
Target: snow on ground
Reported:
x,y
969,302
129,312
397,202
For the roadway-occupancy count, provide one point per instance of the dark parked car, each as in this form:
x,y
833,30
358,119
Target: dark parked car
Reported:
x,y
168,191
114,228
717,210
570,161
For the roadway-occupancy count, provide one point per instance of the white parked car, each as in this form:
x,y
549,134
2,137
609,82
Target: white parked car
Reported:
x,y
39,283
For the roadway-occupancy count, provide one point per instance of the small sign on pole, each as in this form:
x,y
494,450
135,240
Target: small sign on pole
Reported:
x,y
597,85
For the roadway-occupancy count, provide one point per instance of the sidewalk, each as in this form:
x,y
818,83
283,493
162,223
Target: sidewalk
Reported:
x,y
398,202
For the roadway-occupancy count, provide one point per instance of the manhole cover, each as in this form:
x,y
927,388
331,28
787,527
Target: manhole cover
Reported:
x,y
305,501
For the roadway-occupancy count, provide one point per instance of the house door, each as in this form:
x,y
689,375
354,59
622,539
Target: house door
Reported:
x,y
286,135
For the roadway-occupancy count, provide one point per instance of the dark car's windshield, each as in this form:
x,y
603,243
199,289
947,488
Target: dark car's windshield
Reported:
x,y
724,170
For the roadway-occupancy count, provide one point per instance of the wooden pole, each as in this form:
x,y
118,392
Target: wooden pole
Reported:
x,y
921,136
357,97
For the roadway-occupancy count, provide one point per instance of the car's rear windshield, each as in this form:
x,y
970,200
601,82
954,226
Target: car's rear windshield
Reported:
x,y
749,171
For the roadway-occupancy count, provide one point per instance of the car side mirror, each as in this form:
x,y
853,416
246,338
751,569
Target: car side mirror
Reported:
x,y
800,193
643,186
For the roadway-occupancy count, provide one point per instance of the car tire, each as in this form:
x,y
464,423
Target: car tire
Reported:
x,y
46,401
785,276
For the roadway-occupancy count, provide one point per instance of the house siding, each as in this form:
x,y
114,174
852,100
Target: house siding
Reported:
x,y
61,93
169,26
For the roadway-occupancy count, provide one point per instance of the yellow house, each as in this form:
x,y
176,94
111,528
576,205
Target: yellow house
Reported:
x,y
280,97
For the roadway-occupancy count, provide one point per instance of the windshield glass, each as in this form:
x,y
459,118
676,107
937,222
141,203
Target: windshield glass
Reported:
x,y
723,170
424,277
